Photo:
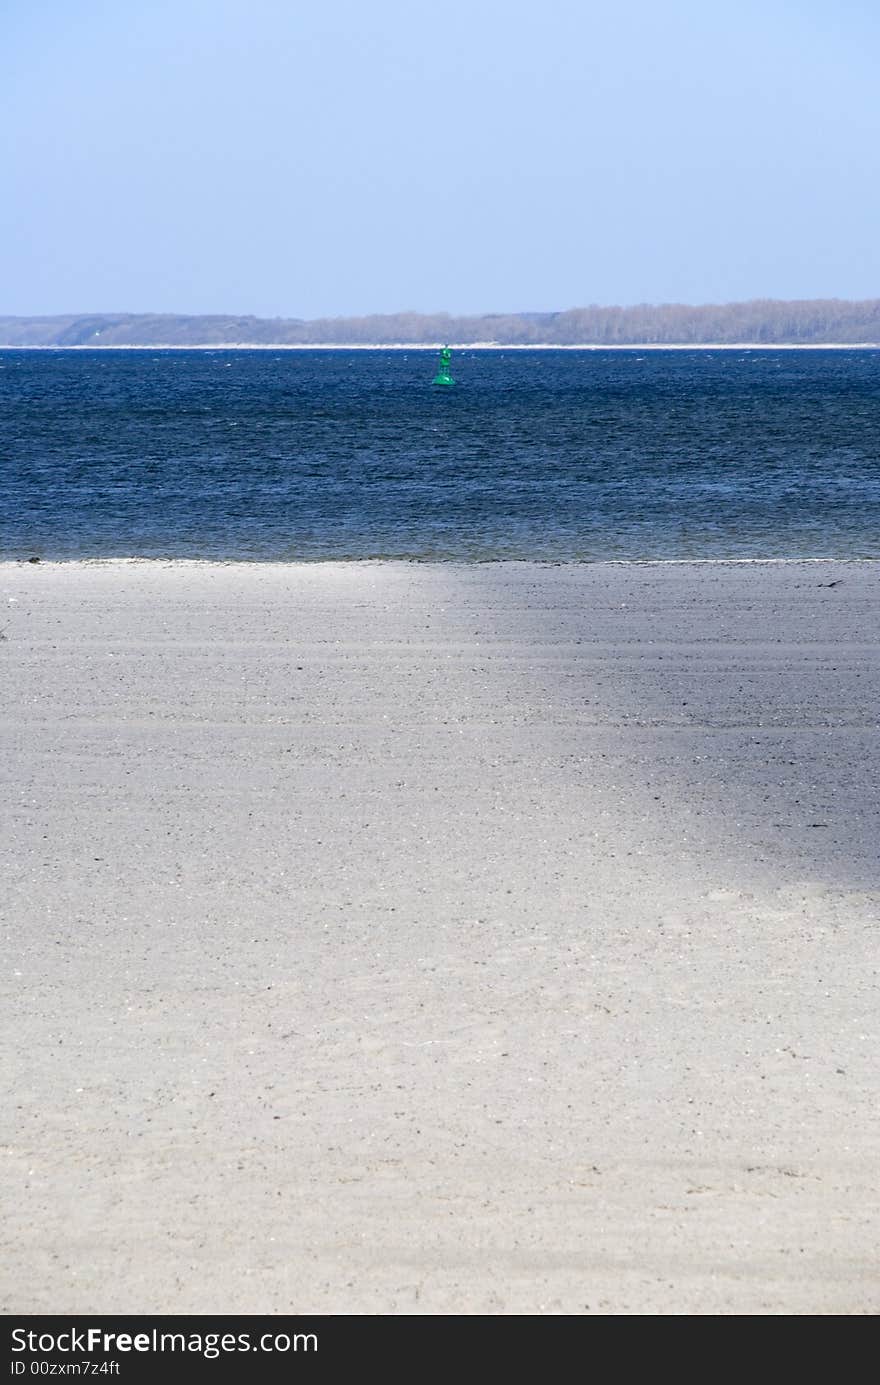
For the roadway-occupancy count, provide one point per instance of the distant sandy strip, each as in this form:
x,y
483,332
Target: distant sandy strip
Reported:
x,y
461,346
397,938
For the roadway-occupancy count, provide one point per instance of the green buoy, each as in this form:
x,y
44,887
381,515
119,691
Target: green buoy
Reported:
x,y
443,377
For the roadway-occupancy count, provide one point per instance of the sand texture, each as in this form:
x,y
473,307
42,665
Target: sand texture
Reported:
x,y
398,938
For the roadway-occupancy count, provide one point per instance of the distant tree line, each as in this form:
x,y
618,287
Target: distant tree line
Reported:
x,y
763,321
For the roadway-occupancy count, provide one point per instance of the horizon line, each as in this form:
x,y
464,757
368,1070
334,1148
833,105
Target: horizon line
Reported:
x,y
443,312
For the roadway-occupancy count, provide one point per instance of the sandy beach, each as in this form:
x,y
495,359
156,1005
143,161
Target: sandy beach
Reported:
x,y
407,938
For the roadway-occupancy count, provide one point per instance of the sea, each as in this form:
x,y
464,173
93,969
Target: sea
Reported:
x,y
555,456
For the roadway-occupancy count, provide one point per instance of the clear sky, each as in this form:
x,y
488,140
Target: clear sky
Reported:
x,y
319,157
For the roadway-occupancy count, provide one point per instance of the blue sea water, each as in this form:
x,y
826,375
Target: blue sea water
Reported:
x,y
550,455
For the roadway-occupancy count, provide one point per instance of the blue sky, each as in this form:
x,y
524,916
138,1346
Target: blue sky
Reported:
x,y
287,158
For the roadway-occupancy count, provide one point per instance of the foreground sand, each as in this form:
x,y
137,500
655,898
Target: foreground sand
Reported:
x,y
384,938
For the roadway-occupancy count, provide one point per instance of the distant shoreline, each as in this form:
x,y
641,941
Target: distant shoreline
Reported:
x,y
759,324
461,346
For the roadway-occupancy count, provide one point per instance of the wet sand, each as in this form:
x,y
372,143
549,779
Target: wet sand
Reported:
x,y
398,938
